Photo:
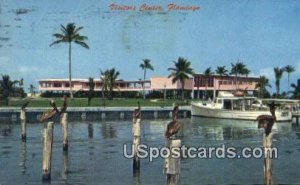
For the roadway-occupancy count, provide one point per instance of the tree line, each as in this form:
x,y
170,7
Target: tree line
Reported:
x,y
181,71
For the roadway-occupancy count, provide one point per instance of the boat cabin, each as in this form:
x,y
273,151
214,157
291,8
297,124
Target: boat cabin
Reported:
x,y
230,102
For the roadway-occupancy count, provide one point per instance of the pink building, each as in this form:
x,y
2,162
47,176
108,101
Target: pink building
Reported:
x,y
196,85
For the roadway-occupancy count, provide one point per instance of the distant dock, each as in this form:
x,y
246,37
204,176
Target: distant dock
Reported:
x,y
11,114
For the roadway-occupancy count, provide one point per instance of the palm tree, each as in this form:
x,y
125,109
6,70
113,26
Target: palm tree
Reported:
x,y
109,78
113,75
237,69
31,89
278,75
234,70
6,87
91,85
104,79
70,34
145,65
221,71
181,72
21,83
207,73
262,84
296,92
245,72
289,69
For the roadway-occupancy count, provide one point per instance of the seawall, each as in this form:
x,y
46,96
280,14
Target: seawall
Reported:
x,y
12,114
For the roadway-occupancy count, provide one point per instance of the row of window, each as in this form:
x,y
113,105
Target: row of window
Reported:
x,y
85,85
209,82
230,82
55,84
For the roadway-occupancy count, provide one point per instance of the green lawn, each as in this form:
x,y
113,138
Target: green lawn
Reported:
x,y
96,102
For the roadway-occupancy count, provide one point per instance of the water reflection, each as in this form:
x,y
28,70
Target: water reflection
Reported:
x,y
108,131
64,171
90,131
5,130
296,128
136,178
90,161
23,158
220,129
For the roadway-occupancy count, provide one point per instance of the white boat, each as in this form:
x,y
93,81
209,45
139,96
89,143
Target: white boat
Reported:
x,y
228,106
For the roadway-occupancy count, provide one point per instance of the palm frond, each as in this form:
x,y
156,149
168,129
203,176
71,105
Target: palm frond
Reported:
x,y
58,35
78,29
83,44
56,42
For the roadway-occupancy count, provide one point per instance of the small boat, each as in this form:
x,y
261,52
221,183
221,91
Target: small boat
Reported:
x,y
228,106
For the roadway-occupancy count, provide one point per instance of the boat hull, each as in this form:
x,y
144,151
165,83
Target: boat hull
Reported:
x,y
205,111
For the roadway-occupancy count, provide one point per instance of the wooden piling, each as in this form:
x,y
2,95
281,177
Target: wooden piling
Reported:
x,y
173,164
90,131
136,132
47,151
23,125
267,144
64,128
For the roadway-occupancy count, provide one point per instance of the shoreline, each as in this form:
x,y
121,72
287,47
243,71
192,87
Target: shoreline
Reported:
x,y
12,114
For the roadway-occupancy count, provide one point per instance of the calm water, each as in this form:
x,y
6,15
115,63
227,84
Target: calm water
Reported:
x,y
96,153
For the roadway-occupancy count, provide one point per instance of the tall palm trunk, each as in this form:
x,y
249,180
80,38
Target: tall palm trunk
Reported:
x,y
144,84
182,90
236,87
277,88
206,81
198,83
221,79
70,70
288,82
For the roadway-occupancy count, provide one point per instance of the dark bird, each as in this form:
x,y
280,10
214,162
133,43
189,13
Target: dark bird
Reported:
x,y
63,108
25,104
174,126
137,112
267,121
51,113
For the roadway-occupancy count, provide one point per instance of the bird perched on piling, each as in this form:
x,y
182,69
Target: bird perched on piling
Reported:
x,y
63,108
51,113
174,126
25,104
137,112
267,121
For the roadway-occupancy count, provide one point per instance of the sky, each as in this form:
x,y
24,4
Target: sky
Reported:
x,y
261,34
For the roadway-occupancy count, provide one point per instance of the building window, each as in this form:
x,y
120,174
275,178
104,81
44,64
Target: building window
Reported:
x,y
57,84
